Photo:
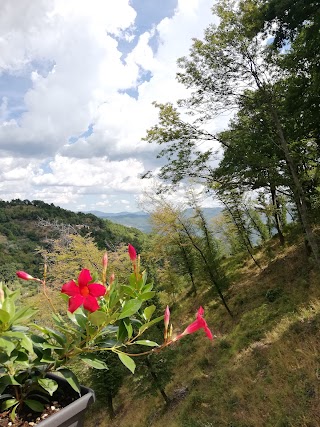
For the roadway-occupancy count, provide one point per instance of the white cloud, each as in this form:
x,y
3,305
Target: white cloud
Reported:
x,y
85,87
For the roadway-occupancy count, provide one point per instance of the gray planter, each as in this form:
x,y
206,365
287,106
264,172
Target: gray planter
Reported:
x,y
73,414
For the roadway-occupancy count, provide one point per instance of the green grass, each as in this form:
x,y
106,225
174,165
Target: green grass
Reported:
x,y
262,370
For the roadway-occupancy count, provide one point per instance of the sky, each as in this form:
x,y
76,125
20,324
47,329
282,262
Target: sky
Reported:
x,y
77,82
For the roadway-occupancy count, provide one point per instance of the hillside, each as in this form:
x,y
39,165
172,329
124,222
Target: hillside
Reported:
x,y
263,367
25,226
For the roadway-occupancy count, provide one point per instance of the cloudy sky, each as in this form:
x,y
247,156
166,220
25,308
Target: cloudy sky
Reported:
x,y
77,79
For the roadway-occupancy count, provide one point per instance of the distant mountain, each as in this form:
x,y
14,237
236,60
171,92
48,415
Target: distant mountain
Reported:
x,y
118,214
141,220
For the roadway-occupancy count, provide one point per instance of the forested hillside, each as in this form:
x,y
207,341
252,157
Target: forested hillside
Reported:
x,y
26,227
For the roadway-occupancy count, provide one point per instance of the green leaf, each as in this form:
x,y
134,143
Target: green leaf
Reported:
x,y
147,288
122,331
81,320
148,312
147,295
26,343
34,405
7,345
152,322
8,305
48,384
98,318
144,278
109,343
47,357
130,308
93,361
127,361
22,357
71,378
129,291
13,412
147,342
7,380
24,314
4,316
128,326
8,403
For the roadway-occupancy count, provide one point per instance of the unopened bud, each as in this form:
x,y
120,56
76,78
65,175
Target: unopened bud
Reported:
x,y
25,276
166,317
105,261
132,252
111,279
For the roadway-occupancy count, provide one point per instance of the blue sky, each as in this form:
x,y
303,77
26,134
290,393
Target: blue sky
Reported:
x,y
77,82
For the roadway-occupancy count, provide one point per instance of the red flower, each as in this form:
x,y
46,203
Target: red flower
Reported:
x,y
83,293
132,252
25,276
199,323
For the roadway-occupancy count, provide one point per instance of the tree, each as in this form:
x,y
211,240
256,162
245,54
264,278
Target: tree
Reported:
x,y
196,232
222,71
107,382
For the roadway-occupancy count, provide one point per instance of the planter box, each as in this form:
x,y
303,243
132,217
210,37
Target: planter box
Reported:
x,y
73,414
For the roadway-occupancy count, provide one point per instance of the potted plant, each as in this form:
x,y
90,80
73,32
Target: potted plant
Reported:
x,y
102,315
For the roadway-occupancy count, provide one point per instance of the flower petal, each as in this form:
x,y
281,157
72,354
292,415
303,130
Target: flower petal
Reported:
x,y
208,332
75,302
70,289
200,312
96,290
90,303
194,326
84,277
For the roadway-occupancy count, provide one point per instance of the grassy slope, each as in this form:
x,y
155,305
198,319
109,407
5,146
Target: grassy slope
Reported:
x,y
263,369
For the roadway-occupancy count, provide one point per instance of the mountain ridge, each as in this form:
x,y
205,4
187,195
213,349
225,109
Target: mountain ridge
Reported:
x,y
141,219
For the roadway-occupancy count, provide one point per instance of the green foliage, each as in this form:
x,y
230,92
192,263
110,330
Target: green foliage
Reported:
x,y
27,355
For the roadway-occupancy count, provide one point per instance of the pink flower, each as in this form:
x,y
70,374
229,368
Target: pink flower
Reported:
x,y
132,252
166,317
25,276
199,323
84,293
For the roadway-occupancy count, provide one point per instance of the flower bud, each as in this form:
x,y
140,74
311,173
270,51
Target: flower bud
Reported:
x,y
132,252
166,322
111,279
166,317
25,276
105,261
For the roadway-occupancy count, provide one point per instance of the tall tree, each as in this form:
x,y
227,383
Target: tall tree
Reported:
x,y
222,71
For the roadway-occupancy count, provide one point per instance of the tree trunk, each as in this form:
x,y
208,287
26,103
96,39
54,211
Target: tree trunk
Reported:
x,y
207,265
156,381
276,213
298,190
110,406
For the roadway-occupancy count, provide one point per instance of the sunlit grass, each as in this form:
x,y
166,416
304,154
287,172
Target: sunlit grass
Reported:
x,y
263,369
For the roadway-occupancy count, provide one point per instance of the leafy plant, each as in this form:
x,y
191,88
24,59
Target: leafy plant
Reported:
x,y
102,316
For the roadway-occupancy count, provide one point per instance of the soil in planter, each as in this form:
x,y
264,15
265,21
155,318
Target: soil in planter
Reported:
x,y
27,418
